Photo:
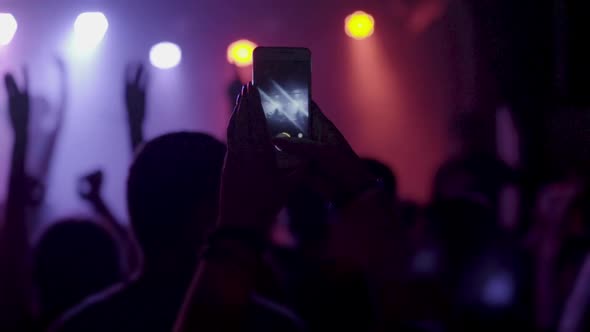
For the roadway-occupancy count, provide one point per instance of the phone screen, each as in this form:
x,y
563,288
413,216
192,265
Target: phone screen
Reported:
x,y
284,86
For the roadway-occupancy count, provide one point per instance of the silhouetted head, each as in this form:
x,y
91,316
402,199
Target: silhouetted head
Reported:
x,y
477,177
308,217
172,194
384,173
72,260
463,224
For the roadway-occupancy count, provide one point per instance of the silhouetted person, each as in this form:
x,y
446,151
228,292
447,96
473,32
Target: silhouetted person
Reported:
x,y
73,259
253,191
475,177
172,194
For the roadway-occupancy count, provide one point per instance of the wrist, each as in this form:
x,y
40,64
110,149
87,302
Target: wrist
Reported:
x,y
21,138
135,127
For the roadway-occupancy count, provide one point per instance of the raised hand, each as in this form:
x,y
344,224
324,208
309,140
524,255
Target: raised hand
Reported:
x,y
135,101
46,125
19,105
340,173
252,188
15,281
89,189
252,192
63,99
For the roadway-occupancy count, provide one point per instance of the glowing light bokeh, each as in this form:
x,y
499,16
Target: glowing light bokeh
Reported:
x,y
240,52
8,27
165,55
359,25
89,30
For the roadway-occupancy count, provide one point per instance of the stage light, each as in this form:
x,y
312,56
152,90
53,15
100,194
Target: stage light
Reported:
x,y
359,25
165,55
240,52
8,28
89,30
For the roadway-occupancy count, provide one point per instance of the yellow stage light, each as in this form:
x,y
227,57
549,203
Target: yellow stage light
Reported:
x,y
359,25
240,52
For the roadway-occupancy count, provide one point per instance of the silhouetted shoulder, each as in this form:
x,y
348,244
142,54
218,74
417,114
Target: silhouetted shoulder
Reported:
x,y
99,312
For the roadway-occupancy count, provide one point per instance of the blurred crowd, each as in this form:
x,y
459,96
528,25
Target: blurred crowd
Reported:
x,y
221,239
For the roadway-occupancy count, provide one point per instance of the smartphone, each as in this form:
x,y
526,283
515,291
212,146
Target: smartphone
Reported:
x,y
283,78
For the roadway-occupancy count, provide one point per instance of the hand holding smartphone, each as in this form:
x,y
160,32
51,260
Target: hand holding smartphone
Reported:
x,y
283,78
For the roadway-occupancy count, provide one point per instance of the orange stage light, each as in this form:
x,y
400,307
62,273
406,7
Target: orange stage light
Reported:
x,y
240,52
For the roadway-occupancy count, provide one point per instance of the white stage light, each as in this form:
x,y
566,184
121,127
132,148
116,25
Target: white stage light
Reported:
x,y
8,28
165,55
89,30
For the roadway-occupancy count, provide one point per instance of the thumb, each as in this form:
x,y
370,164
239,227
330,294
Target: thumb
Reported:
x,y
11,86
299,147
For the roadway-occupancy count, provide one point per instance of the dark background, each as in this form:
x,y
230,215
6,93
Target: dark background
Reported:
x,y
423,87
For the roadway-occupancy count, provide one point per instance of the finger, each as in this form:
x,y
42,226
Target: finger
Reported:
x,y
128,73
10,83
131,73
238,96
25,88
236,128
231,127
61,66
145,78
257,111
319,123
324,130
257,118
138,75
99,176
245,113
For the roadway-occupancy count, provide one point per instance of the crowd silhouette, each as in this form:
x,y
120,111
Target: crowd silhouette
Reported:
x,y
222,239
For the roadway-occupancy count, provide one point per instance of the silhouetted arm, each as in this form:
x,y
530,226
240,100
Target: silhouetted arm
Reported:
x,y
90,191
135,102
15,277
60,113
219,296
251,195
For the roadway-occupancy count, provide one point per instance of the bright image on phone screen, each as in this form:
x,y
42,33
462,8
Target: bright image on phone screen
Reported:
x,y
284,92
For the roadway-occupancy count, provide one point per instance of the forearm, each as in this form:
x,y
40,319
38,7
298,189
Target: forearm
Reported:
x,y
125,241
136,135
15,278
220,293
17,186
14,231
